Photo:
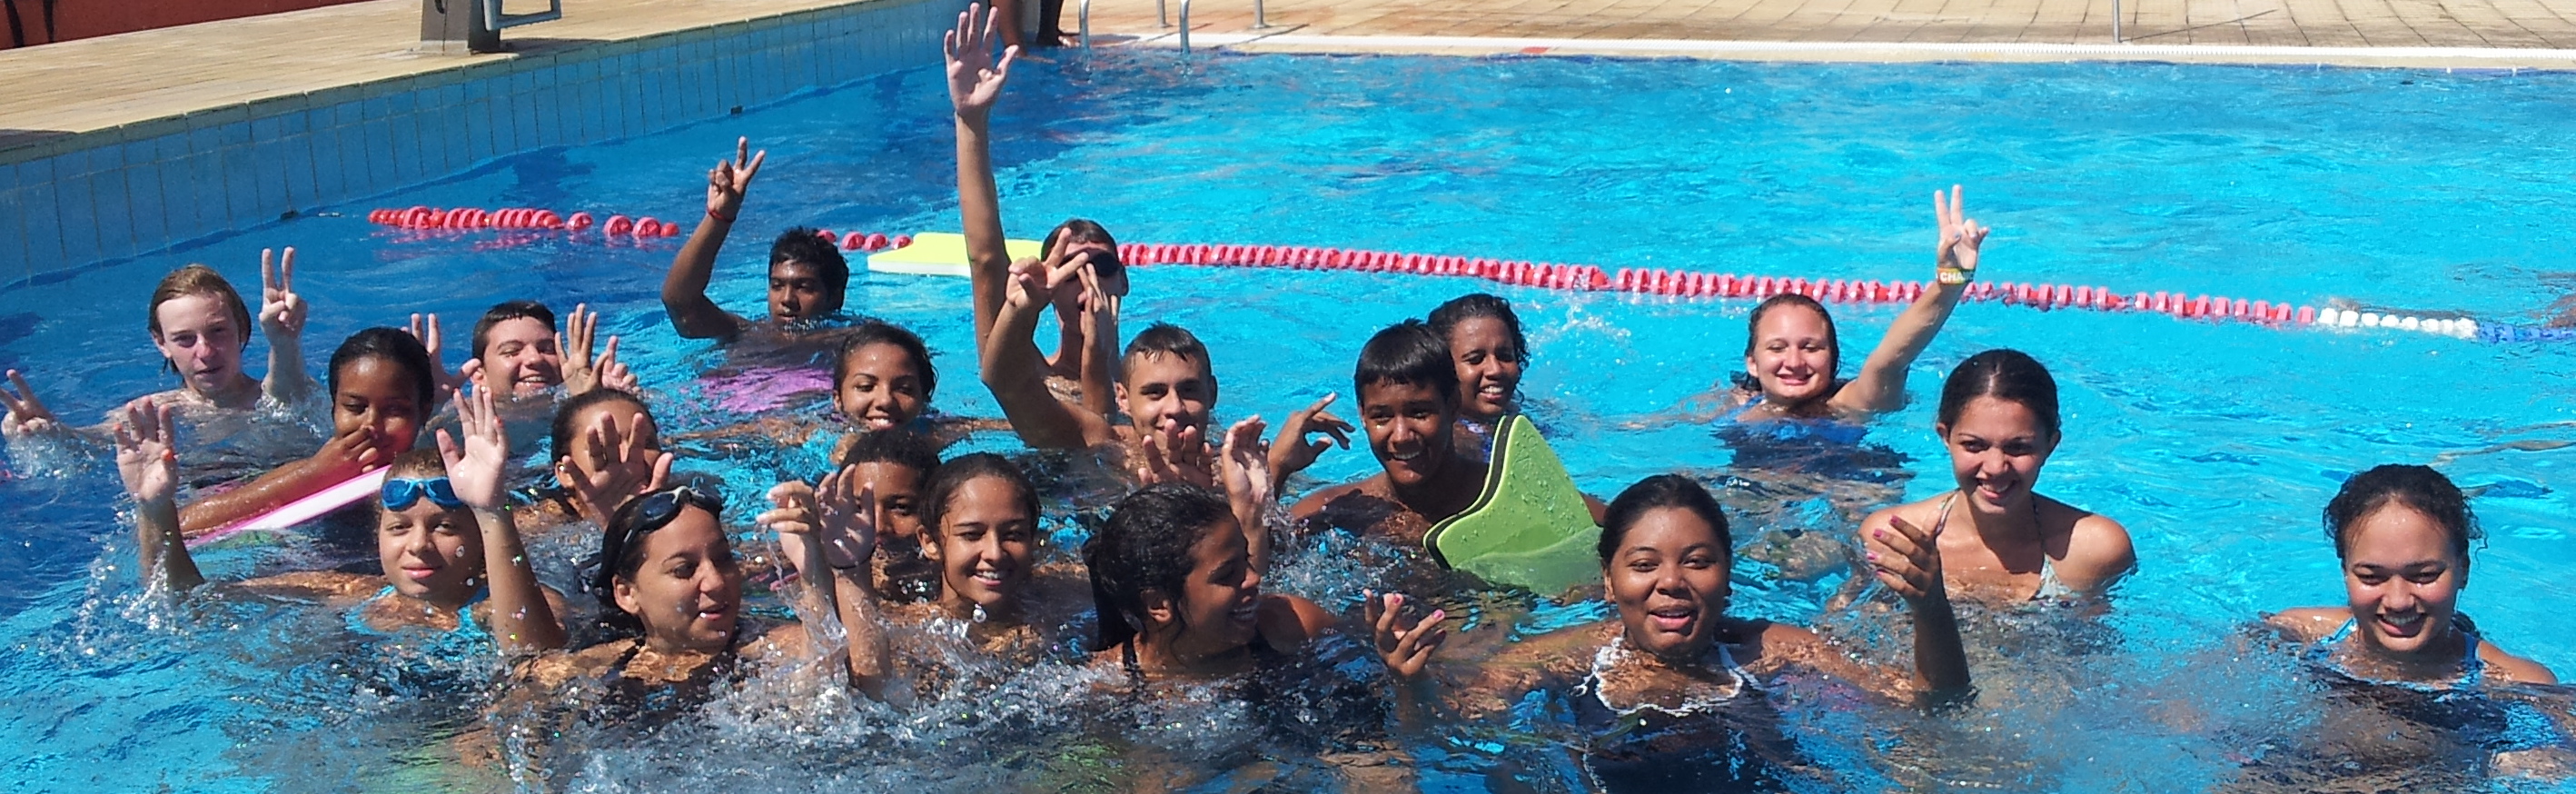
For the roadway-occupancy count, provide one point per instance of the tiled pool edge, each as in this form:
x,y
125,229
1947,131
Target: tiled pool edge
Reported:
x,y
1288,41
139,188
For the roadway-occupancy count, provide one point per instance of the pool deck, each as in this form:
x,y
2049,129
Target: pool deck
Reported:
x,y
62,96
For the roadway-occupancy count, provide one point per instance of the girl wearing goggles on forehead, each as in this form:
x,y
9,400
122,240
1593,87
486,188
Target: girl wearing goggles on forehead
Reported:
x,y
671,594
453,562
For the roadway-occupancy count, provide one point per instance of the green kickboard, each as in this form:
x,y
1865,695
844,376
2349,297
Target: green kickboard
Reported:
x,y
1530,528
939,254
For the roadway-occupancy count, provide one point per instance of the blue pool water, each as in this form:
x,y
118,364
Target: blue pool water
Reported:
x,y
2215,444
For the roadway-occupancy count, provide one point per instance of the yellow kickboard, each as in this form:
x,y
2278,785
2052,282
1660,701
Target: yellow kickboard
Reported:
x,y
939,254
1530,528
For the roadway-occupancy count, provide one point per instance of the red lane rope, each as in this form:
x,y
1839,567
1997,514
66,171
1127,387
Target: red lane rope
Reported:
x,y
1543,275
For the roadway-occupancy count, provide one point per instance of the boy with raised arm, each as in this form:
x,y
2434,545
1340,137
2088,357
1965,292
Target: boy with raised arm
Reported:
x,y
808,278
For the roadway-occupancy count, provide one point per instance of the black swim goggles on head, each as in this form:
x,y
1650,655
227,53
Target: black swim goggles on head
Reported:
x,y
652,511
401,493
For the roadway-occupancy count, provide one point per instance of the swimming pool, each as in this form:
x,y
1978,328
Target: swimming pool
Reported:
x,y
2216,444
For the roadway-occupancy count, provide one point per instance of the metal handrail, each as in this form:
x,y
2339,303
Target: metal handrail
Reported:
x,y
2116,38
1161,20
1085,16
1261,21
494,20
1185,27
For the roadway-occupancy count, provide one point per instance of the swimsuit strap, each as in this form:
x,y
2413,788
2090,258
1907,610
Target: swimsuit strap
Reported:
x,y
2473,669
2049,585
1737,412
1944,520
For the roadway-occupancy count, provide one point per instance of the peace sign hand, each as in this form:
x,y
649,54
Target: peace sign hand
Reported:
x,y
730,179
281,311
475,468
1294,449
424,327
145,452
974,78
26,414
1960,237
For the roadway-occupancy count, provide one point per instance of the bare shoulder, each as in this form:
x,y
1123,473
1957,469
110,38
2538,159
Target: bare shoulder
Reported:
x,y
2515,669
783,640
1288,621
2098,550
2309,624
333,587
1318,501
553,669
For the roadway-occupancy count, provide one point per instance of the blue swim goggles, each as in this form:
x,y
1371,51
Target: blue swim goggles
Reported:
x,y
401,493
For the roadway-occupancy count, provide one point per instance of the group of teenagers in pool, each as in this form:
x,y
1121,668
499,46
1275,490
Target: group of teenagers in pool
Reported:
x,y
897,536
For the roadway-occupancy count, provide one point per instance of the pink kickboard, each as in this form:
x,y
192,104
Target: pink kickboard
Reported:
x,y
346,493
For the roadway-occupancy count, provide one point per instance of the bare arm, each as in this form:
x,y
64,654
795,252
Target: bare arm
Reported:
x,y
523,621
1245,467
344,456
684,290
149,466
1014,370
837,540
1099,371
1880,387
281,317
974,81
1908,561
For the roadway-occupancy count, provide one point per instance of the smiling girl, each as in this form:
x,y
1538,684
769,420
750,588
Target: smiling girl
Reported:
x,y
2000,540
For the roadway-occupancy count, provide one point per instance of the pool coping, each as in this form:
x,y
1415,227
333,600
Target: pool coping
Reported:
x,y
2479,58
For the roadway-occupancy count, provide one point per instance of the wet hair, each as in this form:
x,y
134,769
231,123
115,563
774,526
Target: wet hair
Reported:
x,y
1146,546
1446,318
562,431
395,346
1408,353
953,475
1166,339
2003,374
807,245
197,280
1753,334
1653,493
506,311
423,463
622,560
894,445
2417,487
1082,230
880,332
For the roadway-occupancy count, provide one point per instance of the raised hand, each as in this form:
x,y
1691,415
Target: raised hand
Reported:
x,y
1184,459
281,311
1294,449
974,78
431,340
26,413
846,519
1906,559
476,468
1406,650
730,179
1960,236
629,469
585,368
1245,465
146,454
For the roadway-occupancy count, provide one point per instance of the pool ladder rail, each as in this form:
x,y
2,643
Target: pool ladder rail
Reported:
x,y
1260,21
